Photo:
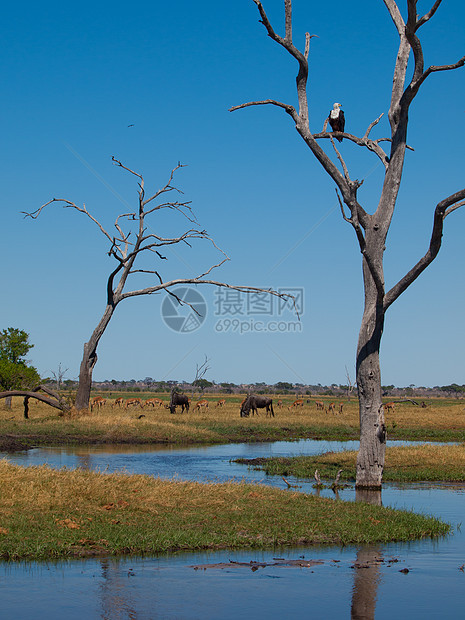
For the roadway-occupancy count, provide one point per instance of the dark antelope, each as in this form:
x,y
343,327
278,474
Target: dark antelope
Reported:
x,y
176,400
253,403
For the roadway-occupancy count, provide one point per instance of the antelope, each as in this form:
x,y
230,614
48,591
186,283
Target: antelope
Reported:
x,y
298,403
341,407
97,401
320,405
119,402
134,401
202,403
154,402
279,403
331,408
221,402
389,406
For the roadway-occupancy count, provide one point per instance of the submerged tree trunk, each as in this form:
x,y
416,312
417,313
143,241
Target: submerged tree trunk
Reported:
x,y
89,359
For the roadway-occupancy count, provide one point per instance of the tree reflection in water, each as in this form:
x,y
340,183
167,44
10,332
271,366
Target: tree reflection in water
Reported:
x,y
366,568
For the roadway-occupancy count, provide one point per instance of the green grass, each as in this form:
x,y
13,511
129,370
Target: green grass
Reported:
x,y
46,513
403,464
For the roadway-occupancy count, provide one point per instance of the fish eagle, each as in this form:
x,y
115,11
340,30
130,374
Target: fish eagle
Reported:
x,y
336,119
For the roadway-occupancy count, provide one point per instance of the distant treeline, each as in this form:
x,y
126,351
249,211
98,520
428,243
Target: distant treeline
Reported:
x,y
282,387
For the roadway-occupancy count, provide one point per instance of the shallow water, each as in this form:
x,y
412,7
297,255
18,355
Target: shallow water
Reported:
x,y
169,587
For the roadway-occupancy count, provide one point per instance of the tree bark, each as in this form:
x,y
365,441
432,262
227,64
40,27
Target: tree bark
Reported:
x,y
89,359
370,459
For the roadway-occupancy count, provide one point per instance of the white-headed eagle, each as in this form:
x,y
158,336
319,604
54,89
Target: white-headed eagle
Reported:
x,y
336,119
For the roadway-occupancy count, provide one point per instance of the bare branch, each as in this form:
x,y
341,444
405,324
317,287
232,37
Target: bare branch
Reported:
x,y
371,145
201,371
288,108
371,125
339,156
428,15
68,204
443,208
396,15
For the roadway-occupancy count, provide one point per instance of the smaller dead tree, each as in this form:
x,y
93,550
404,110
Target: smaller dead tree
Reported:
x,y
133,242
50,398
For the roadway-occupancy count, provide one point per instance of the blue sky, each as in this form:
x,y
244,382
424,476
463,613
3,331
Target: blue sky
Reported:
x,y
75,76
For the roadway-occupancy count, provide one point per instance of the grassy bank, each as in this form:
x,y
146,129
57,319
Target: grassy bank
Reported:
x,y
441,420
403,464
46,513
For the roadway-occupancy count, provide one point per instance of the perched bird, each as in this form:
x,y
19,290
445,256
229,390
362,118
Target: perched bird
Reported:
x,y
336,119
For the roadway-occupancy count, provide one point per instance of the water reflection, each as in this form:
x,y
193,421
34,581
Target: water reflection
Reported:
x,y
367,576
363,580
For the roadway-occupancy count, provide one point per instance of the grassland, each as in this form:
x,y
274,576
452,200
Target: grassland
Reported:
x,y
46,513
431,463
441,420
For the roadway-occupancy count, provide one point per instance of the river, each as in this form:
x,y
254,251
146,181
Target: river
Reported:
x,y
350,582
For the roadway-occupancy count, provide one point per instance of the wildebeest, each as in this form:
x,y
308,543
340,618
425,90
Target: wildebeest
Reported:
x,y
178,399
253,403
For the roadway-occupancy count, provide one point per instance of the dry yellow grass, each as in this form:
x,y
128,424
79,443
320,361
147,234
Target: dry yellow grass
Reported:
x,y
217,424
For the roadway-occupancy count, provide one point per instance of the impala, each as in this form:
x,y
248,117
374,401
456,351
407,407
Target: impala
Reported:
x,y
119,402
320,405
134,401
221,402
298,403
202,403
331,408
98,401
152,402
389,407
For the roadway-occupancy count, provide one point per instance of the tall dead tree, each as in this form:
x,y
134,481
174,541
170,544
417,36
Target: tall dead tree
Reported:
x,y
371,229
129,245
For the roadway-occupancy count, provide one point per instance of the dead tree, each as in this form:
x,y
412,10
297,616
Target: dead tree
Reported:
x,y
53,399
371,228
130,244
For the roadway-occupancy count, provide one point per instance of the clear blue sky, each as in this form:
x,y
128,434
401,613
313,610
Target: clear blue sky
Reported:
x,y
74,76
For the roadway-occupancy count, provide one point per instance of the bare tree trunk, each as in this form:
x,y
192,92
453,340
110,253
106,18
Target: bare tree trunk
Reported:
x,y
370,459
89,360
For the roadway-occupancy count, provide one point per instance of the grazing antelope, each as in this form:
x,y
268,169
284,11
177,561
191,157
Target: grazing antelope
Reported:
x,y
98,401
134,401
298,403
152,402
202,403
320,405
331,408
254,403
341,407
221,402
119,402
279,403
389,407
